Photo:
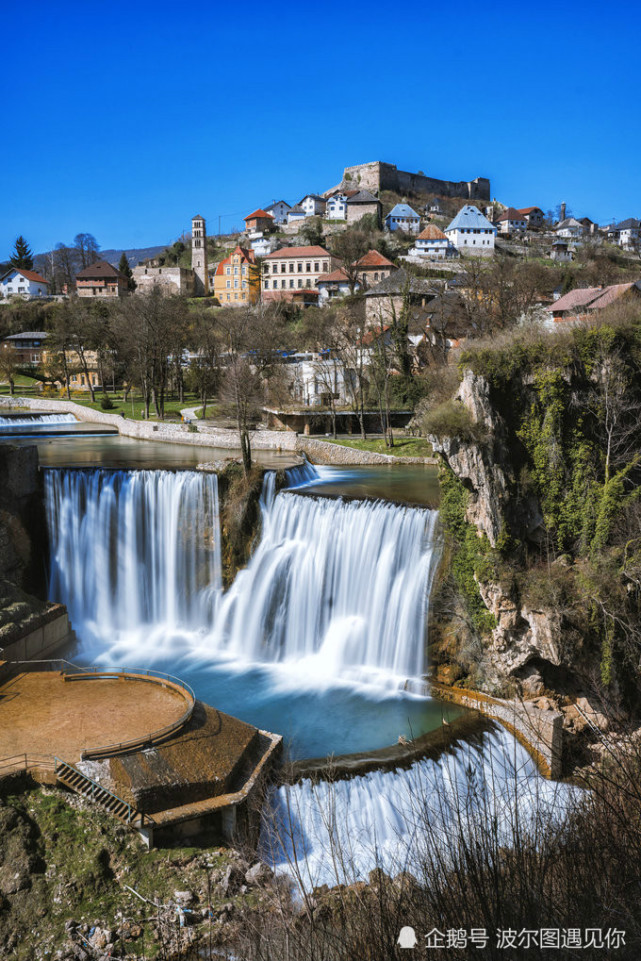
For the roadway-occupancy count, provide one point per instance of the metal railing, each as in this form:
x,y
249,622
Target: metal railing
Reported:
x,y
61,766
14,763
72,671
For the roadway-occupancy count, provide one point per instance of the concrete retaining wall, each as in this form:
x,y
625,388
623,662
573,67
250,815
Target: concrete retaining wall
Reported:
x,y
321,452
40,638
541,731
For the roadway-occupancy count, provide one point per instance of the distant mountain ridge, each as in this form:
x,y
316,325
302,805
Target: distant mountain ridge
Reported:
x,y
134,255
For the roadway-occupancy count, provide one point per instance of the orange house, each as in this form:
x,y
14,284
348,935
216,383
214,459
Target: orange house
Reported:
x,y
237,279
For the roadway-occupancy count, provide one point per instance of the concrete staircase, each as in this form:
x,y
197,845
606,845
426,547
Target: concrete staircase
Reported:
x,y
75,780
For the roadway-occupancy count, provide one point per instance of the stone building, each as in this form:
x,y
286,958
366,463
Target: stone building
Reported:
x,y
374,267
385,301
101,280
171,280
361,202
377,176
258,220
199,256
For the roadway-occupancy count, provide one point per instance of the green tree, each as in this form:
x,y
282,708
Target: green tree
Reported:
x,y
22,256
125,269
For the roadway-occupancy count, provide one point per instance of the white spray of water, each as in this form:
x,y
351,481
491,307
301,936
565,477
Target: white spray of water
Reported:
x,y
336,833
36,421
134,551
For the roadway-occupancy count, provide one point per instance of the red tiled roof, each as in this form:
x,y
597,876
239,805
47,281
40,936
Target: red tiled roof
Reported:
x,y
247,256
259,213
31,275
610,294
373,259
510,214
431,233
336,276
100,269
576,298
528,210
374,332
285,252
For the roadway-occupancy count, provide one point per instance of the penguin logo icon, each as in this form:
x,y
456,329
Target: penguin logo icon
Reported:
x,y
407,938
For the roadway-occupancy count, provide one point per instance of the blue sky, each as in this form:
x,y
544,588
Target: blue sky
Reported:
x,y
129,118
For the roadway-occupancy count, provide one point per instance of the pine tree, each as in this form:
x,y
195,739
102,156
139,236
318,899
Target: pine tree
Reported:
x,y
125,269
22,256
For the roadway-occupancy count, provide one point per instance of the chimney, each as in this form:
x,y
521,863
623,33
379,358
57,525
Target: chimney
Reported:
x,y
563,211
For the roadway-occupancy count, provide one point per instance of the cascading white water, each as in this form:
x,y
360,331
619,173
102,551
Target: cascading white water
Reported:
x,y
335,833
134,549
334,589
35,421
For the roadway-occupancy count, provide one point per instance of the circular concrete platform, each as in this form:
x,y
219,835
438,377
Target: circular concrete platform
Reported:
x,y
43,713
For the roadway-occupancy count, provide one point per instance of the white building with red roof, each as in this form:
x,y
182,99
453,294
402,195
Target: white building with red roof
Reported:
x,y
432,244
292,269
511,222
18,282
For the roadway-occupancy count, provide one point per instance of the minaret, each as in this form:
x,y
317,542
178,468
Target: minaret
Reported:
x,y
199,255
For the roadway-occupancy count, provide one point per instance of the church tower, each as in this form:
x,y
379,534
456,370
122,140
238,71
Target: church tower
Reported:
x,y
199,256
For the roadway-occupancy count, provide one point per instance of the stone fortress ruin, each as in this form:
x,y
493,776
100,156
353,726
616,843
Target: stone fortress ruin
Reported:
x,y
377,176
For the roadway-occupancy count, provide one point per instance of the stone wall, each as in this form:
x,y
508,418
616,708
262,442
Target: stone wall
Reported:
x,y
23,529
323,452
378,176
541,731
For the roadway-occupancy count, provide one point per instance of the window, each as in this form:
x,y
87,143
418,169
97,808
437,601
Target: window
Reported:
x,y
228,271
244,270
300,283
266,285
291,268
308,282
236,283
375,276
291,282
308,266
235,296
235,271
244,285
228,284
316,265
325,267
299,267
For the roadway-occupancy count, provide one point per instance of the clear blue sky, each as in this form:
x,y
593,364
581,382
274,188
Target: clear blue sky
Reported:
x,y
124,120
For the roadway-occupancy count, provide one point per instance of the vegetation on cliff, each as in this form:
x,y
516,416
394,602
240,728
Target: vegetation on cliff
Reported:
x,y
563,427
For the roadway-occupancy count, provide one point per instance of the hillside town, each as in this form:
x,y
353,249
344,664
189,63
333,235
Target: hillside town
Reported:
x,y
361,289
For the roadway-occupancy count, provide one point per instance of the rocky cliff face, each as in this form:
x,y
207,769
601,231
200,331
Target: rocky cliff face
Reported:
x,y
523,640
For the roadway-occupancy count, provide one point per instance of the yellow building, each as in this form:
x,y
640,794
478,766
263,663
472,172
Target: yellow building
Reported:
x,y
237,279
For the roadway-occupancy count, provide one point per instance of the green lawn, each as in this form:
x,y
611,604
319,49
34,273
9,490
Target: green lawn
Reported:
x,y
403,446
133,410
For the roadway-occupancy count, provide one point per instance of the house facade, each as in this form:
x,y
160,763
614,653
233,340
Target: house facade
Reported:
x,y
288,272
627,234
313,205
101,280
384,301
18,282
28,347
373,267
402,217
336,207
361,202
471,233
333,285
296,214
258,220
569,228
511,222
237,279
534,217
278,210
432,244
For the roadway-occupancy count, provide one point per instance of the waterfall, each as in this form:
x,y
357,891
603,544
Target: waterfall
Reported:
x,y
405,820
334,589
134,549
35,421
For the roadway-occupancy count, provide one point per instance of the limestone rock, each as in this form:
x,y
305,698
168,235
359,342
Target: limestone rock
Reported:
x,y
258,874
